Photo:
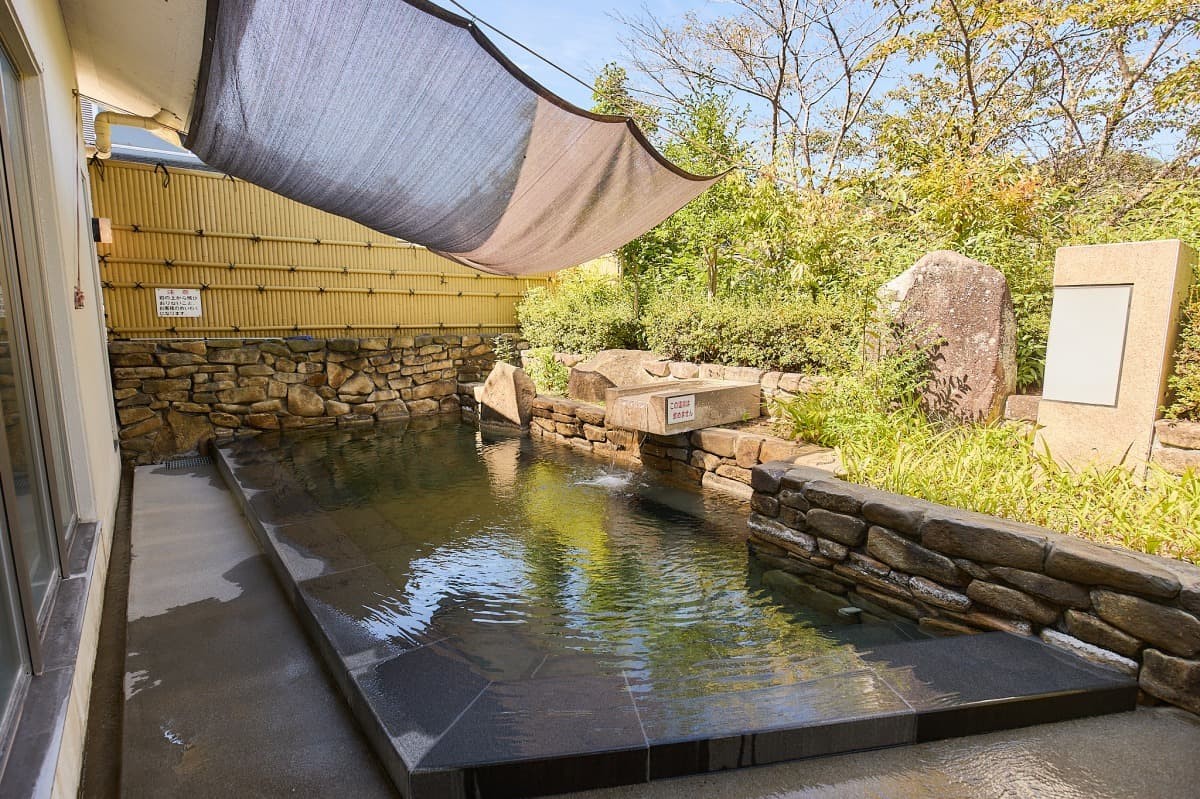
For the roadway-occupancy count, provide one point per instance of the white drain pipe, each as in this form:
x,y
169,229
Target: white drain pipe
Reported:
x,y
157,125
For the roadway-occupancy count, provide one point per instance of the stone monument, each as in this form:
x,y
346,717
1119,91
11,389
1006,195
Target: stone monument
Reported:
x,y
962,310
1113,329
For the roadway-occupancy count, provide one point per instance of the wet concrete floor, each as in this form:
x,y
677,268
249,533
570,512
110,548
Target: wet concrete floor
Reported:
x,y
225,697
1148,754
223,694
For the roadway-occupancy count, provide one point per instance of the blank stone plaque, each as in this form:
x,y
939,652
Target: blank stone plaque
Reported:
x,y
1110,348
1088,326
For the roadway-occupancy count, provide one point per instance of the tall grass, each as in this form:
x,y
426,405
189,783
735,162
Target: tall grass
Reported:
x,y
998,470
871,414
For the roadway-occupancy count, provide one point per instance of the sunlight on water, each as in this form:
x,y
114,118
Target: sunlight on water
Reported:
x,y
532,557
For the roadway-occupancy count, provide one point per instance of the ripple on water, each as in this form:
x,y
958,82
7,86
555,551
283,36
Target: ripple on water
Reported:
x,y
523,547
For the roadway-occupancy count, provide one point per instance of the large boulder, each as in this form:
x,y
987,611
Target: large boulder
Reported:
x,y
507,396
962,310
608,369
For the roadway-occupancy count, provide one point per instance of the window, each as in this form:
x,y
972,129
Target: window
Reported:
x,y
12,642
36,510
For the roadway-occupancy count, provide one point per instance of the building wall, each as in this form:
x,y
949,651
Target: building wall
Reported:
x,y
77,335
268,266
35,37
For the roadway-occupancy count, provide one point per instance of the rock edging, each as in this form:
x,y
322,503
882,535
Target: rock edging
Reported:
x,y
957,571
715,457
773,383
1176,446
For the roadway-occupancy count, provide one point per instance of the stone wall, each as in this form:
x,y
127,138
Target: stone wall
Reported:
x,y
174,396
959,572
1176,445
715,457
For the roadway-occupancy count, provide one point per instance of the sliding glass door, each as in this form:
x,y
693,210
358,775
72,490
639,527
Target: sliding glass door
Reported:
x,y
12,643
34,509
26,491
38,425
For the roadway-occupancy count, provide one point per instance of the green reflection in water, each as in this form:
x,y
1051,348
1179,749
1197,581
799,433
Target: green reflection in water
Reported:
x,y
526,552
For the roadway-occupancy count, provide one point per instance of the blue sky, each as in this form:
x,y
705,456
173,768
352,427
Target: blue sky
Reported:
x,y
580,36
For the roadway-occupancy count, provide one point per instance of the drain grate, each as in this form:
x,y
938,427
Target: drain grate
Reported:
x,y
189,462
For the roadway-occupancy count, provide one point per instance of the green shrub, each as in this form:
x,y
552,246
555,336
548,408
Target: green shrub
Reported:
x,y
581,313
547,374
801,335
859,402
505,349
1185,382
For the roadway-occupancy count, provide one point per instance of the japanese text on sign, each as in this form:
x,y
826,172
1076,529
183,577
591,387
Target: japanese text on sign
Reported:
x,y
681,409
177,302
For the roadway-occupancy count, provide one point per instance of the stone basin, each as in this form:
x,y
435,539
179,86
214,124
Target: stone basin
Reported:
x,y
679,406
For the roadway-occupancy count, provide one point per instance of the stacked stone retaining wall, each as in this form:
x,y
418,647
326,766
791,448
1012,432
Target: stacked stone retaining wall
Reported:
x,y
959,572
174,396
1176,445
715,457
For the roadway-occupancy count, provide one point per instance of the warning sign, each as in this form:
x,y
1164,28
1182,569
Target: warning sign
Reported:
x,y
177,302
681,409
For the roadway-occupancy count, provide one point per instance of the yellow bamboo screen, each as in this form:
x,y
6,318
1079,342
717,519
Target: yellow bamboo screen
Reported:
x,y
268,266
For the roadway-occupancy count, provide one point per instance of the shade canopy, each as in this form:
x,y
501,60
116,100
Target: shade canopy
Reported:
x,y
404,117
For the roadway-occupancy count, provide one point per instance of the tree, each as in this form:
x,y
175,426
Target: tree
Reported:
x,y
702,235
811,69
1074,85
868,132
611,95
699,242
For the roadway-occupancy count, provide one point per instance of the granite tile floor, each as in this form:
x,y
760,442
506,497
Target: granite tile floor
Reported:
x,y
1146,754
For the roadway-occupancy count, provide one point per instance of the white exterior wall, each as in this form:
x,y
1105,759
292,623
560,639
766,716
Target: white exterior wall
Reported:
x,y
35,38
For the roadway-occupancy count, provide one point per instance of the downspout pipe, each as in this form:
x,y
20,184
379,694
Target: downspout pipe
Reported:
x,y
157,125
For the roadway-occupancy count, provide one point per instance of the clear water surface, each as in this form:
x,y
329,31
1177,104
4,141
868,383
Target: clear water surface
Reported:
x,y
537,560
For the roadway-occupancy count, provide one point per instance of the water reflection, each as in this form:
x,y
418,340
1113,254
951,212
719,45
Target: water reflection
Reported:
x,y
536,561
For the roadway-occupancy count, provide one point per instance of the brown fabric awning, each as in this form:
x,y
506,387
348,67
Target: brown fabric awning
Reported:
x,y
405,117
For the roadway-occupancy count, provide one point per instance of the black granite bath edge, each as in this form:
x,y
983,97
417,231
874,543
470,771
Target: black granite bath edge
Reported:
x,y
526,778
1087,691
